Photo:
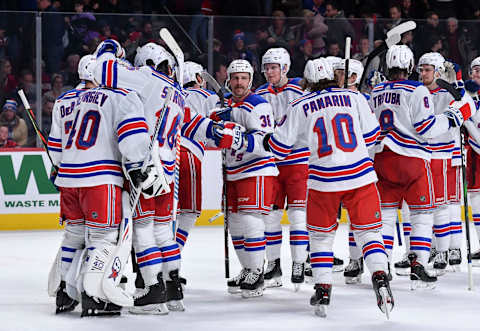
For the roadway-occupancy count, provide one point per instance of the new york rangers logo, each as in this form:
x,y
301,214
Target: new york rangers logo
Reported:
x,y
116,267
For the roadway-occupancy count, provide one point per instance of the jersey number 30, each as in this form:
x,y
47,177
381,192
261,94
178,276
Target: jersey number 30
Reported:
x,y
345,139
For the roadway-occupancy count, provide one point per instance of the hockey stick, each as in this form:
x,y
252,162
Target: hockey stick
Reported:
x,y
179,56
31,117
393,38
348,41
116,265
218,89
458,96
399,233
182,29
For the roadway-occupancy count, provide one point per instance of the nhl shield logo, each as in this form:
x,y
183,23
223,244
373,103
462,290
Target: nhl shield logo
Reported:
x,y
116,267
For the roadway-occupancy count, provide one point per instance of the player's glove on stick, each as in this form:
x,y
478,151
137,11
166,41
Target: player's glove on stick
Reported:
x,y
458,112
221,114
152,182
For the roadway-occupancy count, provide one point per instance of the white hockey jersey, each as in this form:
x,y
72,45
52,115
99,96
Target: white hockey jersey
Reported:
x,y
407,118
338,127
152,87
196,99
279,98
63,114
473,127
108,124
255,114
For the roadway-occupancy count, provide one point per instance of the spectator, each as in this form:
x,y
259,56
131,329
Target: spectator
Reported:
x,y
53,30
239,50
57,87
17,128
147,33
314,29
27,83
333,49
453,38
278,33
4,40
300,58
293,8
444,8
363,50
395,14
261,42
317,6
338,26
5,141
70,73
407,9
106,31
221,75
423,33
7,79
47,107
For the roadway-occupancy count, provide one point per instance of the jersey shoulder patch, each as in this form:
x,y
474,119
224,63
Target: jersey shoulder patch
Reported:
x,y
254,99
310,95
202,92
70,94
262,89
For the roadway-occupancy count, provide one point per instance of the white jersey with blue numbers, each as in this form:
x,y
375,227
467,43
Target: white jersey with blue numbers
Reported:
x,y
62,118
196,99
279,98
152,87
406,113
255,114
107,124
339,131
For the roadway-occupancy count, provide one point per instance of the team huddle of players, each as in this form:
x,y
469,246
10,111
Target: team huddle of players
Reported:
x,y
303,144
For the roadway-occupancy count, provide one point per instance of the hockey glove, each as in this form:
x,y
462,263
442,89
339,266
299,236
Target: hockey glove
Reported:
x,y
226,135
152,182
110,46
374,78
453,74
458,112
53,177
472,87
221,114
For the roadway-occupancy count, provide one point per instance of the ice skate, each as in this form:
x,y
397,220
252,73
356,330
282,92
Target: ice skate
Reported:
x,y
402,267
96,307
353,272
253,284
433,253
321,299
455,259
174,292
308,272
64,302
440,263
476,259
419,276
151,299
337,264
273,274
382,290
298,275
233,284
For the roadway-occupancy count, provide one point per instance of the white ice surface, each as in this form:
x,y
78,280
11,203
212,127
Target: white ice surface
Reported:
x,y
25,259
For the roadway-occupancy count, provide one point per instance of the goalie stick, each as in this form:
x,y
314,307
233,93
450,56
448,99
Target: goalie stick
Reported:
x,y
218,89
456,94
393,38
116,265
348,41
31,117
178,54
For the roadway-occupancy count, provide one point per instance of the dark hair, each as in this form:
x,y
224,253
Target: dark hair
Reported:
x,y
318,86
397,73
430,14
189,84
333,3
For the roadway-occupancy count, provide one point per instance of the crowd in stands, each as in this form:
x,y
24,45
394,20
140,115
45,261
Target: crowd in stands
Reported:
x,y
307,28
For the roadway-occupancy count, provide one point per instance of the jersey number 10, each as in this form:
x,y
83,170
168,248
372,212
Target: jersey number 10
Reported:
x,y
345,139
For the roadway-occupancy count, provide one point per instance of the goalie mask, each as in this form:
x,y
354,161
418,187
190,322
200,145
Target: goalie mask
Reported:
x,y
239,66
86,67
278,56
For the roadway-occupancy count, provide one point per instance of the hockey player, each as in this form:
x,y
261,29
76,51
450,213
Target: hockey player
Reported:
x,y
444,164
334,124
291,183
156,250
407,118
250,174
73,243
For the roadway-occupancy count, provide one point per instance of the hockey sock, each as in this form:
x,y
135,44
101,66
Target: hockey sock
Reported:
x,y
441,228
373,249
321,256
273,234
475,203
148,254
389,217
254,230
421,237
169,248
455,212
185,224
355,252
298,234
407,226
236,231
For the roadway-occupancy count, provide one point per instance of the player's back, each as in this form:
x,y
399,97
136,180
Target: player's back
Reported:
x,y
108,123
402,107
334,124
